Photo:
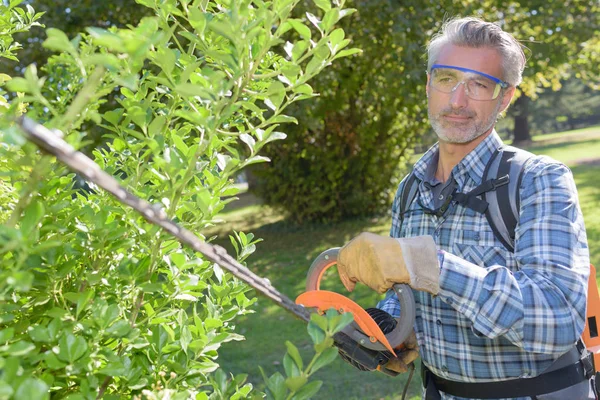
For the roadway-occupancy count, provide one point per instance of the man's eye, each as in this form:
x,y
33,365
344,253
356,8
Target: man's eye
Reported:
x,y
482,85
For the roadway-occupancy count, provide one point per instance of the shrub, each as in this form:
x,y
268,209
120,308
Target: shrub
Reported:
x,y
94,301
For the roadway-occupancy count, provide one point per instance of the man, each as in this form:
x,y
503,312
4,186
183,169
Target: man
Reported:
x,y
484,314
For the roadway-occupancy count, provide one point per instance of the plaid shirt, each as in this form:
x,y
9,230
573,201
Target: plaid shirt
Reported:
x,y
499,315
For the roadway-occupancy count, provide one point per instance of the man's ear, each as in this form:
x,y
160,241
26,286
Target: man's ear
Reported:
x,y
427,86
507,98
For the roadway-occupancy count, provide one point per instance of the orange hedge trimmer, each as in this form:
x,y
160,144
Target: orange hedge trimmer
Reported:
x,y
367,343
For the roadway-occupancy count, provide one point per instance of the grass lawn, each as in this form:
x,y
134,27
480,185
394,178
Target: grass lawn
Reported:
x,y
286,254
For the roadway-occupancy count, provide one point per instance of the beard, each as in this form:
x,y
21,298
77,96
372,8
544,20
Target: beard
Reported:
x,y
460,132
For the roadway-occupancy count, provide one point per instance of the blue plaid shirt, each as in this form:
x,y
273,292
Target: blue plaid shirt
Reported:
x,y
499,315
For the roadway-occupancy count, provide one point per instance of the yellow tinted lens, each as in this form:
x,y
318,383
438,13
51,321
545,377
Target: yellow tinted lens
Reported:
x,y
481,88
444,79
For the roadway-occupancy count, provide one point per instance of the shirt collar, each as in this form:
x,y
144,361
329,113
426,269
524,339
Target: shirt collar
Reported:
x,y
473,164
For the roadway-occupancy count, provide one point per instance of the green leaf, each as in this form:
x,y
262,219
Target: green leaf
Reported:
x,y
109,61
314,66
71,347
32,388
249,140
11,368
308,391
190,90
39,333
294,383
58,41
166,59
345,319
331,17
347,11
290,367
19,85
6,335
52,361
197,19
186,338
13,3
156,126
6,390
275,95
316,334
32,215
324,5
275,136
114,368
347,52
110,40
5,318
299,27
281,119
84,300
324,358
223,29
294,353
180,144
255,160
119,329
276,385
319,320
159,337
336,36
18,349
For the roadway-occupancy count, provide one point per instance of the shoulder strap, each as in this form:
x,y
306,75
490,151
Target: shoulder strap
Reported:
x,y
408,194
504,202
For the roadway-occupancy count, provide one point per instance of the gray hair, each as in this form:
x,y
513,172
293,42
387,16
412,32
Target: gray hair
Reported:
x,y
476,33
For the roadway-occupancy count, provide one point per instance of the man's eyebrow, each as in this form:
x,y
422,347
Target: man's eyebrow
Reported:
x,y
445,71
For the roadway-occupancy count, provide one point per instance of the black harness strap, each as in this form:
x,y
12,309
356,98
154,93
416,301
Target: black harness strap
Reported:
x,y
470,199
548,382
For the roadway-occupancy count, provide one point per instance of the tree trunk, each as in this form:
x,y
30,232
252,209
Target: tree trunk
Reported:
x,y
521,112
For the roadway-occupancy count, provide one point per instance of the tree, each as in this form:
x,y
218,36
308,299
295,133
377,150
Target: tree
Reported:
x,y
574,106
348,153
556,36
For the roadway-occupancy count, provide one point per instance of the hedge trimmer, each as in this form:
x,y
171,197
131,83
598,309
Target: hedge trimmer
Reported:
x,y
367,343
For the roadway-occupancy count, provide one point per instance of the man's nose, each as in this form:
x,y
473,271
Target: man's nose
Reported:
x,y
458,97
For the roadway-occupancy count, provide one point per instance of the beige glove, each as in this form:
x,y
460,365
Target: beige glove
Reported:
x,y
407,355
379,262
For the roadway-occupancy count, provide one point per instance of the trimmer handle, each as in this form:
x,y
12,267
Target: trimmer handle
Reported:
x,y
403,329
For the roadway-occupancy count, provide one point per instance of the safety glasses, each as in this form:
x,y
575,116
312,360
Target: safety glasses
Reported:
x,y
478,85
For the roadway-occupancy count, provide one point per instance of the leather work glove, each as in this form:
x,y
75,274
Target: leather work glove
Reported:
x,y
380,261
406,356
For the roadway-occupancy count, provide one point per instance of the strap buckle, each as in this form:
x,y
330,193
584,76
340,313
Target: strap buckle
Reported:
x,y
503,180
587,361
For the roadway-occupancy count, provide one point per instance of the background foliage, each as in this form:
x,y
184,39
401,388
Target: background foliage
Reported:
x,y
347,155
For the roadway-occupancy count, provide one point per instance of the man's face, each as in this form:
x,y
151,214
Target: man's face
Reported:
x,y
454,116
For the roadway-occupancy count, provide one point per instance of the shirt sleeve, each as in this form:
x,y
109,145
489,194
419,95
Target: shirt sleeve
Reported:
x,y
541,307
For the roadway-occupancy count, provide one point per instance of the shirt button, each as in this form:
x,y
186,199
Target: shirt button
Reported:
x,y
438,322
525,374
476,236
444,369
441,197
449,301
